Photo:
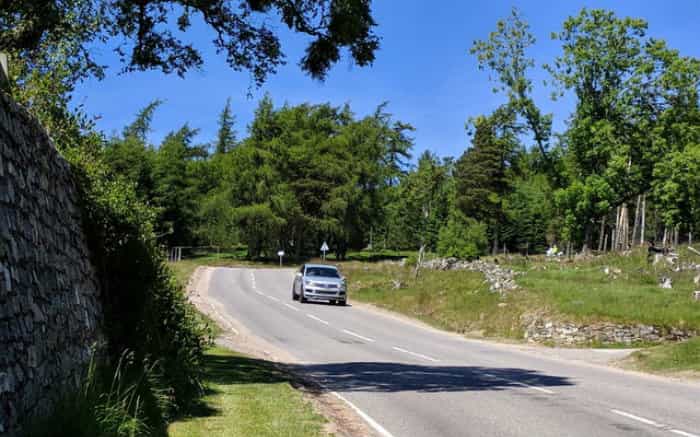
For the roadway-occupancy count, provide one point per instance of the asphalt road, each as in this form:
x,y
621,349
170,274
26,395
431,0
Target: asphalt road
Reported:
x,y
407,380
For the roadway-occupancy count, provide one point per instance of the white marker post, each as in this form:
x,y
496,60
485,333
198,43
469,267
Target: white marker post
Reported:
x,y
280,254
324,249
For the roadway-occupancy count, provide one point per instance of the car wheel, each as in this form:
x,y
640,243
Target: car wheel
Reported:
x,y
343,302
302,299
294,296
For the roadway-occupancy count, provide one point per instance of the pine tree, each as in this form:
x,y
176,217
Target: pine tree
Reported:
x,y
226,136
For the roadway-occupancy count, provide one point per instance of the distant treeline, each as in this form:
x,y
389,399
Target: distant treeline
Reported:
x,y
625,169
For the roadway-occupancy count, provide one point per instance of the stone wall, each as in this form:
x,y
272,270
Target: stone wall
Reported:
x,y
543,330
49,308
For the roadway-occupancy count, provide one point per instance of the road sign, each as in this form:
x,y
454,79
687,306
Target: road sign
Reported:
x,y
280,254
324,249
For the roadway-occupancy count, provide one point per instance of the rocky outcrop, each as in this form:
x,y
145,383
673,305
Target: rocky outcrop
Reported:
x,y
500,280
49,308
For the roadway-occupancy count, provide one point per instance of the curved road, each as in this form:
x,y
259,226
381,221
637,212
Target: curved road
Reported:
x,y
412,381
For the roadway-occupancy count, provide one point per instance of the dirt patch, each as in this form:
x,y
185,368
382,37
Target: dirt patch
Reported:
x,y
342,420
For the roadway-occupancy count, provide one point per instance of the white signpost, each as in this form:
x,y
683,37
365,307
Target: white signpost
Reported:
x,y
280,254
324,249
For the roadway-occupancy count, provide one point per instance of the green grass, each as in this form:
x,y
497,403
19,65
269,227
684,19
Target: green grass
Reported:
x,y
570,291
583,292
678,357
247,397
454,300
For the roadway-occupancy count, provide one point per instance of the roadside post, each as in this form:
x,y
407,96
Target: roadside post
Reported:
x,y
324,249
280,254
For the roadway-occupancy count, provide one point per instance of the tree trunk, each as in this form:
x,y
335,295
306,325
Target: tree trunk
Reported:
x,y
663,243
636,219
602,234
494,251
605,242
643,224
676,231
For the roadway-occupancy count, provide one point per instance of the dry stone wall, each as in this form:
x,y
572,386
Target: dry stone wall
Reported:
x,y
544,330
49,297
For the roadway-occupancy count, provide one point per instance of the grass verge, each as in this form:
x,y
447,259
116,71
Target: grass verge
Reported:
x,y
454,300
247,397
669,358
612,288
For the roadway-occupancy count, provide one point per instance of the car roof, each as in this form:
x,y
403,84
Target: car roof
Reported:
x,y
321,265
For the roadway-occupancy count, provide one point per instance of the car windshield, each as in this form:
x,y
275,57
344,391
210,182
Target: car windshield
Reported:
x,y
325,272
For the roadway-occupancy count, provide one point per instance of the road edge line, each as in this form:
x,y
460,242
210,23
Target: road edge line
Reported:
x,y
371,422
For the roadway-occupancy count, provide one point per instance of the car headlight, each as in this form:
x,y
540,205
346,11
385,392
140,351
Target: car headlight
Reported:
x,y
307,282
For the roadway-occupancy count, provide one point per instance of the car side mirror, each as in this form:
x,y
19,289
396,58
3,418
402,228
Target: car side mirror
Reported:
x,y
298,274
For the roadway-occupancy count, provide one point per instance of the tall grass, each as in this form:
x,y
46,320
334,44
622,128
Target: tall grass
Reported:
x,y
122,400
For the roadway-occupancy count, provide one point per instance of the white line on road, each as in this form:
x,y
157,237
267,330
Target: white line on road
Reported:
x,y
521,384
683,433
354,334
425,357
638,418
291,307
377,427
653,423
317,319
272,298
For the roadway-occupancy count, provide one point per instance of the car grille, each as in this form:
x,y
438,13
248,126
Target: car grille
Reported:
x,y
328,286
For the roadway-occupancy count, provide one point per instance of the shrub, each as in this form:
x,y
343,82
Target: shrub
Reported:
x,y
113,401
146,312
462,237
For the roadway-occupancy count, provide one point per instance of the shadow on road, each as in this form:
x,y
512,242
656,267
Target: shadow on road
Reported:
x,y
396,377
377,376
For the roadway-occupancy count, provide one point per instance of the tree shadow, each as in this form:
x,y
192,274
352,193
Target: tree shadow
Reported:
x,y
397,377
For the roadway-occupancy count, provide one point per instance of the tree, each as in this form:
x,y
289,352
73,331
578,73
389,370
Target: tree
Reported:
x,y
482,174
144,36
504,53
175,192
226,135
602,59
421,205
462,237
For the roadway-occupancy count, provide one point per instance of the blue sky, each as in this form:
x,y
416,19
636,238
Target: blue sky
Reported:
x,y
423,69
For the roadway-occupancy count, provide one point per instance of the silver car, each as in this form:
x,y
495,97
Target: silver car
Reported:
x,y
319,282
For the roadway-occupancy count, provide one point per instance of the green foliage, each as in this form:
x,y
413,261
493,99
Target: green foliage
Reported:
x,y
121,400
226,136
145,311
420,204
143,39
462,237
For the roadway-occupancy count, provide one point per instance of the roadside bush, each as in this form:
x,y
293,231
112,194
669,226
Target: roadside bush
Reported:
x,y
462,237
113,401
146,311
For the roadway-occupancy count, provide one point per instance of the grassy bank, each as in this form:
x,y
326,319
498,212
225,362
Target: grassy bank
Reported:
x,y
629,293
578,291
454,300
669,358
247,397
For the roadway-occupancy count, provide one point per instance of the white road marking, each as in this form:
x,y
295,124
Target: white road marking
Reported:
x,y
683,433
521,384
260,293
272,298
291,307
354,334
415,354
371,422
653,423
317,319
638,418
